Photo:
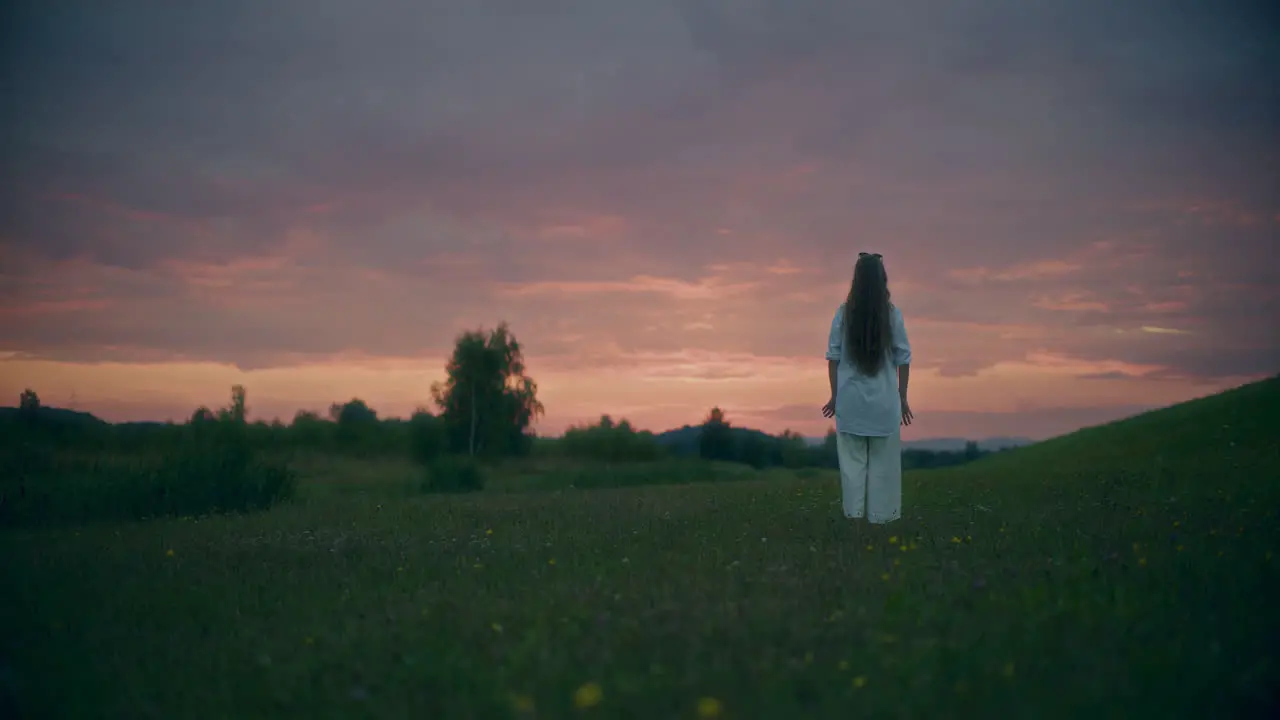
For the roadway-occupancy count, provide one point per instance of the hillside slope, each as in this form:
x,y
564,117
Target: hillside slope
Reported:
x,y
1234,431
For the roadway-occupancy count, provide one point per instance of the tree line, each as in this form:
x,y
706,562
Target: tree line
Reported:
x,y
484,409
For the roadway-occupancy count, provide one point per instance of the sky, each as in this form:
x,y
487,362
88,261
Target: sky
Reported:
x,y
1077,202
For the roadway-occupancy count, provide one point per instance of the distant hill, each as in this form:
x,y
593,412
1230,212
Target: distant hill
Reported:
x,y
61,416
957,444
949,444
685,439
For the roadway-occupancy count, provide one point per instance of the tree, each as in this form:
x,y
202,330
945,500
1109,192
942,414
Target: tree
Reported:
x,y
352,412
487,403
426,436
830,453
357,424
716,440
755,451
28,405
792,449
239,411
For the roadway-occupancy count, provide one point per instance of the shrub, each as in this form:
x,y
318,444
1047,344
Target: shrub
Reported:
x,y
211,470
220,477
609,441
454,474
426,437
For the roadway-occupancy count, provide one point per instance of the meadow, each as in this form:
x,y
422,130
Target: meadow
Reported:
x,y
1121,571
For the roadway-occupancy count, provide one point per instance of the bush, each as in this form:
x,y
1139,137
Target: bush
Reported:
x,y
211,479
454,474
609,441
426,437
212,470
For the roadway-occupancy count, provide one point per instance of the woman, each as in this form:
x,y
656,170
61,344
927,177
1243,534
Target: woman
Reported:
x,y
868,362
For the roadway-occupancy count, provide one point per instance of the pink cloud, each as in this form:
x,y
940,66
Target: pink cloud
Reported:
x,y
56,307
599,227
706,289
1077,302
115,208
1037,270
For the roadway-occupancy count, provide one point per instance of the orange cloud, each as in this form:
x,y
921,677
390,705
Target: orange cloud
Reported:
x,y
706,289
1071,302
1171,306
55,307
660,391
229,274
114,208
1026,271
591,226
1212,212
783,267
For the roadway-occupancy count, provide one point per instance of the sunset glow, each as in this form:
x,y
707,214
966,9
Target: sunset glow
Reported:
x,y
664,200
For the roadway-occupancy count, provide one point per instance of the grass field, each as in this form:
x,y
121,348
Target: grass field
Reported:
x,y
1124,571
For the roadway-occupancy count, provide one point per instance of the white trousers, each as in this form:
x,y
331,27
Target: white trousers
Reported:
x,y
870,476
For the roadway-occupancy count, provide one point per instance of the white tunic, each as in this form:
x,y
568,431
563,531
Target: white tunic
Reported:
x,y
869,404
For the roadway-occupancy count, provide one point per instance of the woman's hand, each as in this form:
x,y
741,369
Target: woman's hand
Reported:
x,y
906,412
829,409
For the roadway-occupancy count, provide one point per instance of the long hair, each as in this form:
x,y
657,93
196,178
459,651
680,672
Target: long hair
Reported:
x,y
867,332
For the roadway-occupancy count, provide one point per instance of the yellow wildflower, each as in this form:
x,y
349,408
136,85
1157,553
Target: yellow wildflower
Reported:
x,y
893,539
169,553
860,681
588,695
709,707
552,561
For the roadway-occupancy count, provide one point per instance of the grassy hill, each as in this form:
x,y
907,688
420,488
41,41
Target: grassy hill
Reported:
x,y
1121,571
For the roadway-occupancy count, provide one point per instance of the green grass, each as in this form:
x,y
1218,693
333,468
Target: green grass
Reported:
x,y
1124,571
